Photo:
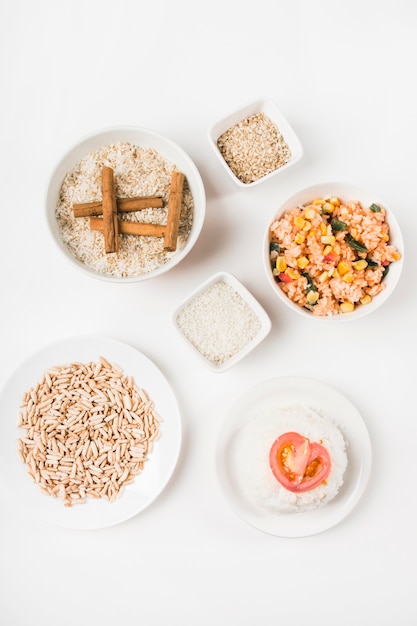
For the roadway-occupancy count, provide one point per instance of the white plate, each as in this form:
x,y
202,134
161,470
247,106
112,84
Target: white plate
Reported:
x,y
23,493
280,392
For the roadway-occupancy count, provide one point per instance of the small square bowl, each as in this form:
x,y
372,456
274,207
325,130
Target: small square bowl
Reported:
x,y
255,165
221,321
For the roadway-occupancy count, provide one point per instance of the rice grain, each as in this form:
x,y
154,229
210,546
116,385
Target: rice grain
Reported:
x,y
75,449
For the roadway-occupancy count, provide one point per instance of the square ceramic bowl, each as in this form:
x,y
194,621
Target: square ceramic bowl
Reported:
x,y
257,143
75,240
221,321
344,286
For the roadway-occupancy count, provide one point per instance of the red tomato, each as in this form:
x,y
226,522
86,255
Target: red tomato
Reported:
x,y
297,463
331,257
285,278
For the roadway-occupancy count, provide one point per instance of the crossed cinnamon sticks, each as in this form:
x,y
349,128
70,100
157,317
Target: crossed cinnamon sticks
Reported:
x,y
110,206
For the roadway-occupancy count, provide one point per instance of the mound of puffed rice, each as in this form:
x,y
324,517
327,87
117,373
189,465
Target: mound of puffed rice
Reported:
x,y
87,431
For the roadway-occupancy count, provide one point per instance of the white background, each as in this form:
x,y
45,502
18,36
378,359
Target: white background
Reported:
x,y
344,75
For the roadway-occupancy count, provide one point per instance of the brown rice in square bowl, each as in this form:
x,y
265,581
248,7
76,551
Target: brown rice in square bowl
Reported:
x,y
333,251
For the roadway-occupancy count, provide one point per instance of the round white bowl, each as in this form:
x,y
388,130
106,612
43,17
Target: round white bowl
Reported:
x,y
346,192
144,138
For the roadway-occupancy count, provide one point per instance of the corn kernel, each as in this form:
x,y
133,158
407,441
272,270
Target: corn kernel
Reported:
x,y
335,201
347,307
293,273
302,262
396,255
323,277
348,278
307,225
299,238
312,297
309,214
323,228
366,299
312,232
328,207
342,268
299,221
360,265
328,239
318,201
384,237
327,250
335,273
281,264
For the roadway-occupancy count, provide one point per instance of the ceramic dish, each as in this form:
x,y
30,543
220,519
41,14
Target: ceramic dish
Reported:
x,y
23,493
221,322
281,392
144,139
345,192
268,108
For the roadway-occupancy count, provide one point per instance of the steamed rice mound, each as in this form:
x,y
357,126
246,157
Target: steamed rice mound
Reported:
x,y
315,249
254,445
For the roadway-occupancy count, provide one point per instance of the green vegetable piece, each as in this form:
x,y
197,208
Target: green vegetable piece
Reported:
x,y
338,225
354,244
372,264
375,208
310,285
274,246
385,272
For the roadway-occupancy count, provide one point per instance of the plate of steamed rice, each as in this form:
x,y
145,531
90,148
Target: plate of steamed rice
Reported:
x,y
293,456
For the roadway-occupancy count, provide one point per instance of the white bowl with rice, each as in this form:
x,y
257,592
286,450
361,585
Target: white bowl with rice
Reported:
x,y
333,251
221,322
143,162
255,143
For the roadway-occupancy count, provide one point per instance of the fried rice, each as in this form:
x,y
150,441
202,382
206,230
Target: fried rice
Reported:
x,y
331,256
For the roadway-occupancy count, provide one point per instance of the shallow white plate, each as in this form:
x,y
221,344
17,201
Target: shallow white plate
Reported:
x,y
24,494
280,392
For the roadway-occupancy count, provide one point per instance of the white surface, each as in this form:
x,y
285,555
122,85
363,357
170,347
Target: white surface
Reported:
x,y
280,393
239,287
159,466
343,74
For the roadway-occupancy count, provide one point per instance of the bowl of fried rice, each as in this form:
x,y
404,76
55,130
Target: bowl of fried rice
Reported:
x,y
333,251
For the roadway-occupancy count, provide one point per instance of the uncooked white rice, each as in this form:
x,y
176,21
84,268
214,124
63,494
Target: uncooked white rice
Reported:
x,y
253,447
87,431
137,172
218,322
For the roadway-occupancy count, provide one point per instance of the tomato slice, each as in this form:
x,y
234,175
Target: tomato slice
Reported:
x,y
299,464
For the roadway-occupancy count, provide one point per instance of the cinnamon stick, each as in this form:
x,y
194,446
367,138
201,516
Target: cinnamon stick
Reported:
x,y
131,228
110,222
174,209
124,205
